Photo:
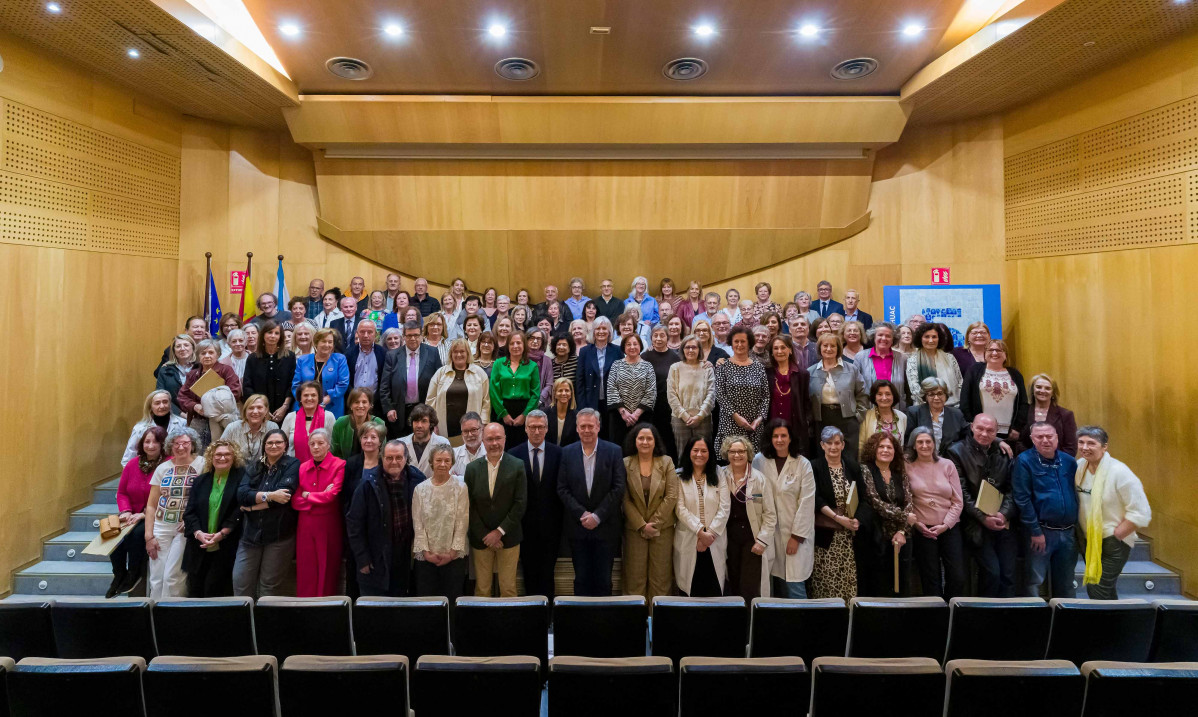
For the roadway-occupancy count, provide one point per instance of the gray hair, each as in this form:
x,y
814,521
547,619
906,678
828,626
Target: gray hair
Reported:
x,y
470,416
410,325
321,432
933,383
735,438
234,334
603,321
389,332
1098,433
916,433
725,313
503,296
535,413
829,433
578,280
803,294
588,412
208,344
434,451
824,282
184,432
396,443
882,325
711,294
659,326
638,280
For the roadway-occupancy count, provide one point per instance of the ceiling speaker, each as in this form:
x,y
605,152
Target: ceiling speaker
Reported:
x,y
517,69
685,68
855,68
348,68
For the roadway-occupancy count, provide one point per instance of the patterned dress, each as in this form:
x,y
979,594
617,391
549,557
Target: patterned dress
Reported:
x,y
744,390
835,571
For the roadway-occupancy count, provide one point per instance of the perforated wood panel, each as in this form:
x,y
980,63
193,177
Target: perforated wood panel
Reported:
x,y
66,185
1129,184
1069,42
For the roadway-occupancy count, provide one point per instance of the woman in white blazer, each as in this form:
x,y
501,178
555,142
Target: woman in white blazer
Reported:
x,y
700,543
751,521
793,483
446,398
155,412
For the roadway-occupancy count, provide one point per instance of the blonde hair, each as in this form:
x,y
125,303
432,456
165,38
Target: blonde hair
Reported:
x,y
252,399
147,414
321,335
566,382
830,338
465,346
1056,391
238,458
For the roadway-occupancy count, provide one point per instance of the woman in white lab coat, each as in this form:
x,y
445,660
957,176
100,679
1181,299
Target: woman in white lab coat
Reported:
x,y
700,543
793,485
751,521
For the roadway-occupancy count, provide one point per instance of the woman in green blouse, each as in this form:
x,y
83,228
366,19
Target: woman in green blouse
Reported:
x,y
212,522
515,386
345,430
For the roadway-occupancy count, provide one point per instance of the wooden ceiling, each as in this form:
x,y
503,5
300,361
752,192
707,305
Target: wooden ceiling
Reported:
x,y
445,48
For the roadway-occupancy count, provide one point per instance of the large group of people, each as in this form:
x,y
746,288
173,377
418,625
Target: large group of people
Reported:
x,y
389,443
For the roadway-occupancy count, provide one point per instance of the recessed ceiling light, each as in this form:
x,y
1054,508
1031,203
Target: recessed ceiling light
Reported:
x,y
913,29
132,52
393,29
808,30
53,7
497,30
704,30
289,29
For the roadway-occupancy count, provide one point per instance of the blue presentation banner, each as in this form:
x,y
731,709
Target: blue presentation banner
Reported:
x,y
955,306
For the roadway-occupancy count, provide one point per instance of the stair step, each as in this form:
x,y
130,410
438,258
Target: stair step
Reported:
x,y
1142,550
85,518
1136,574
60,547
106,491
64,577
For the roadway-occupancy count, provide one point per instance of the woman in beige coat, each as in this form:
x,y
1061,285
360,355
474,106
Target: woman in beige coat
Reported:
x,y
649,498
751,521
700,541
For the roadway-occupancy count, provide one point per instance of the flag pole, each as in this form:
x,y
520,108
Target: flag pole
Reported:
x,y
207,288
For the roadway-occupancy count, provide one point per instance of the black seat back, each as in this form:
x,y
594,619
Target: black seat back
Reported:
x,y
494,686
876,687
205,627
86,628
401,626
742,685
41,686
799,628
1118,689
1085,630
303,626
677,622
1175,637
898,627
493,627
6,666
26,629
997,629
611,626
319,686
989,688
606,686
204,686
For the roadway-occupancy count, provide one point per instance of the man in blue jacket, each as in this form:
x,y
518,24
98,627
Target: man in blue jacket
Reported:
x,y
1042,481
379,524
591,486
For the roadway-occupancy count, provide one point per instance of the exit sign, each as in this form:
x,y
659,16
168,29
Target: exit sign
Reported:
x,y
940,275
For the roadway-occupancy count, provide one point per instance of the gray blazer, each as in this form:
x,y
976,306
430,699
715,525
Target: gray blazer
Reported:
x,y
898,375
850,389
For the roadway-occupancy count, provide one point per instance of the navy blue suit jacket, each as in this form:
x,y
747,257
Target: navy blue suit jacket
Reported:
x,y
606,499
543,514
380,358
834,307
589,377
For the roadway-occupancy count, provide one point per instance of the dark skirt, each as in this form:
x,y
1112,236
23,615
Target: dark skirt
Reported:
x,y
515,434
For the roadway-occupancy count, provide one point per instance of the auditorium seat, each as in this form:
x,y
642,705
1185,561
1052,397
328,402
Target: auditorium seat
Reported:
x,y
207,686
898,627
999,688
45,687
320,686
205,627
1123,689
26,629
742,686
86,628
492,686
699,627
997,629
493,627
612,626
606,686
1085,630
876,687
287,626
401,626
6,666
800,628
1175,636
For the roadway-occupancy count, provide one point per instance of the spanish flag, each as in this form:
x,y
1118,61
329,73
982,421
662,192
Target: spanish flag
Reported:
x,y
248,290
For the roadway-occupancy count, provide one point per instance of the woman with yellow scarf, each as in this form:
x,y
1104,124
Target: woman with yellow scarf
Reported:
x,y
1112,506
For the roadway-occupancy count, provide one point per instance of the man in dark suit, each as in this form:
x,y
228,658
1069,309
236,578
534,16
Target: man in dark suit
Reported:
x,y
823,304
498,496
348,323
591,487
541,310
366,359
404,383
594,362
543,516
852,313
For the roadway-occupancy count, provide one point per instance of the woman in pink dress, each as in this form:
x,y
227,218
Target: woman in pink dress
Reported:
x,y
318,534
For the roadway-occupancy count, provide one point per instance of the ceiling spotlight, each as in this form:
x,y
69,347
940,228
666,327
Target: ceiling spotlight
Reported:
x,y
393,29
53,7
132,52
704,30
809,30
290,29
913,29
497,30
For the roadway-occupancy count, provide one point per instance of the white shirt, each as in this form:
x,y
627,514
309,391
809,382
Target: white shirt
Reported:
x,y
462,457
588,465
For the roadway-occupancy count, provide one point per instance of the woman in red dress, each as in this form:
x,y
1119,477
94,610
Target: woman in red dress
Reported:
x,y
318,534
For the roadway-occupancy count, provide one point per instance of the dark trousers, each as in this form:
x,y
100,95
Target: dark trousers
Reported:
x,y
515,435
1115,553
398,577
996,558
130,554
743,566
1056,564
704,582
617,430
447,580
538,557
212,575
944,551
592,566
876,570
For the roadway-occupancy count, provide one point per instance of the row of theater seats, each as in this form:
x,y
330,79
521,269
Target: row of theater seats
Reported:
x,y
600,687
970,628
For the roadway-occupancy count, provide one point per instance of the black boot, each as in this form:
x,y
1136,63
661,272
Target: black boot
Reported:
x,y
130,583
115,586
